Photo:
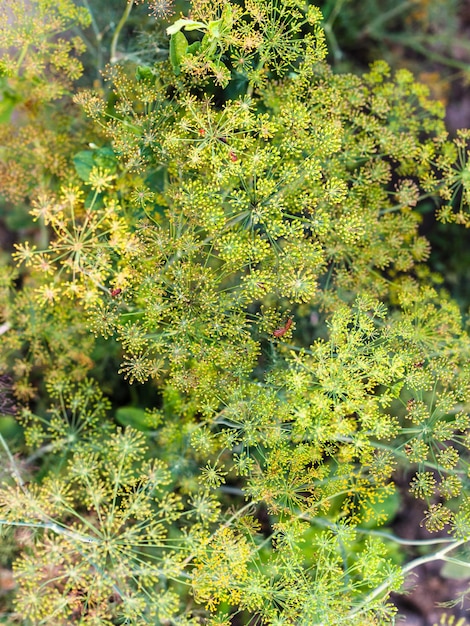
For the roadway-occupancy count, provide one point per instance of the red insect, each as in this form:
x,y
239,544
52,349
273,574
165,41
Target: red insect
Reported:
x,y
201,132
115,292
280,332
233,156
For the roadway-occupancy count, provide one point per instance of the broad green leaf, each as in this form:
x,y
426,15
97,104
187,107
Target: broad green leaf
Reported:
x,y
7,106
83,162
9,426
104,157
194,47
132,416
186,24
143,72
178,48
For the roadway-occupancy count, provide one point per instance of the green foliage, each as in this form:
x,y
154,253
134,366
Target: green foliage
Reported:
x,y
39,65
242,223
419,33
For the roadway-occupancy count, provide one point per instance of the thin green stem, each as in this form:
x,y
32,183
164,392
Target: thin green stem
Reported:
x,y
54,528
113,51
94,25
14,469
21,57
428,52
385,16
404,542
400,207
329,32
334,13
324,523
437,556
383,588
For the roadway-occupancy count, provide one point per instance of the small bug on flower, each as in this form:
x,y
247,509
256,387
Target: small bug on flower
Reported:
x,y
201,132
115,292
280,332
233,156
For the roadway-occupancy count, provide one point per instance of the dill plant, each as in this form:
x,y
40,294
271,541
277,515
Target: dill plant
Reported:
x,y
212,206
